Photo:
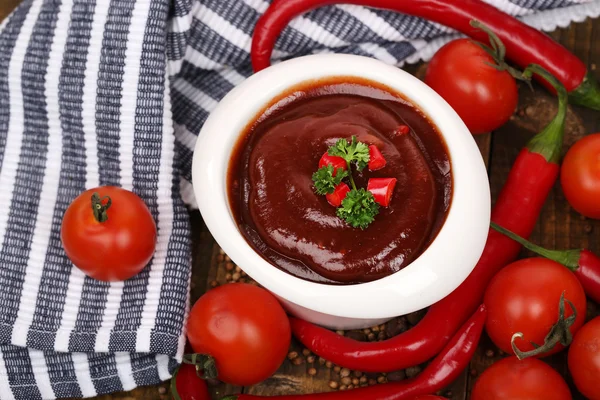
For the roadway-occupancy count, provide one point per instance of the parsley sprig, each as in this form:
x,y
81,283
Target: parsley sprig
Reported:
x,y
324,180
358,208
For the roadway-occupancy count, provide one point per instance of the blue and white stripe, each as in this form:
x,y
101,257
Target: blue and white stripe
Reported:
x,y
99,92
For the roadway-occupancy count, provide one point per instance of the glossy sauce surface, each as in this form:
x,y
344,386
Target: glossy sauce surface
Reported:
x,y
272,196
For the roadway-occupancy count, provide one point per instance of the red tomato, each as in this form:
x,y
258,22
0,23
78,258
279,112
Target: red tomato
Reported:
x,y
376,159
482,96
524,297
188,385
338,195
580,176
337,162
529,379
584,359
115,249
244,328
382,189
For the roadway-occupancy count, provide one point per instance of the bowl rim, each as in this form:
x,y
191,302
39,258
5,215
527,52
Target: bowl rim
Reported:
x,y
431,276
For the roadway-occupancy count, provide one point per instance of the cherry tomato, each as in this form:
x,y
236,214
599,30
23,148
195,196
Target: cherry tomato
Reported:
x,y
580,176
187,385
529,379
376,159
482,96
338,195
337,162
584,359
382,189
108,233
244,328
524,297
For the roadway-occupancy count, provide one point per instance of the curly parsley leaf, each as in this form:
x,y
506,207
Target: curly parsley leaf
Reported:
x,y
324,180
355,151
358,208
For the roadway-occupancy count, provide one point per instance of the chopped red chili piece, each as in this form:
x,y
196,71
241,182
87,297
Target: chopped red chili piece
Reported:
x,y
376,160
382,189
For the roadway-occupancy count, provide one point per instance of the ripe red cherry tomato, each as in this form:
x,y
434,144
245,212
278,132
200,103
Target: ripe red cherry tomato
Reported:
x,y
482,96
108,233
188,385
580,176
524,297
244,328
584,359
529,379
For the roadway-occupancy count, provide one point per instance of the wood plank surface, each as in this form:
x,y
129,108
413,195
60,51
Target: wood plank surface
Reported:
x,y
558,227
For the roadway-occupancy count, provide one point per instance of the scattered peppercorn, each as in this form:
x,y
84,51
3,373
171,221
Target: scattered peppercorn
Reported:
x,y
344,372
297,361
333,384
214,284
310,359
328,364
337,368
229,266
312,371
306,352
489,353
292,355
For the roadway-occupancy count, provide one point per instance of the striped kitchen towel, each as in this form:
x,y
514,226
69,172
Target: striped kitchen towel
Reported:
x,y
96,92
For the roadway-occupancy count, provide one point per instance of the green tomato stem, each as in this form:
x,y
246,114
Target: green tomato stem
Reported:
x,y
560,333
99,209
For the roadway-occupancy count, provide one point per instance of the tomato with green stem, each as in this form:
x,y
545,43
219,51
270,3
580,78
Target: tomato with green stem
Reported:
x,y
108,233
240,334
514,379
469,79
535,305
580,176
584,359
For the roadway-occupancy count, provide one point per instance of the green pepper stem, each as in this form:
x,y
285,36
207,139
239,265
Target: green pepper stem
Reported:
x,y
548,143
559,333
99,208
587,94
174,391
568,258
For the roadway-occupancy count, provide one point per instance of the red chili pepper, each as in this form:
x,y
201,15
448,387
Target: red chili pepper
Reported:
x,y
376,159
442,371
337,162
524,45
382,189
187,385
338,195
584,264
530,180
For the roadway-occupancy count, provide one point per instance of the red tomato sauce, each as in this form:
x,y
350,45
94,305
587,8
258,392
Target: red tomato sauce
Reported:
x,y
273,200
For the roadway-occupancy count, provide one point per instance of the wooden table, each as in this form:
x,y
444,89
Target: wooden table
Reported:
x,y
558,227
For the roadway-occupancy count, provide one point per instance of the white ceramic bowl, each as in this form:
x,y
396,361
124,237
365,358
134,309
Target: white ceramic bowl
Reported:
x,y
433,275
